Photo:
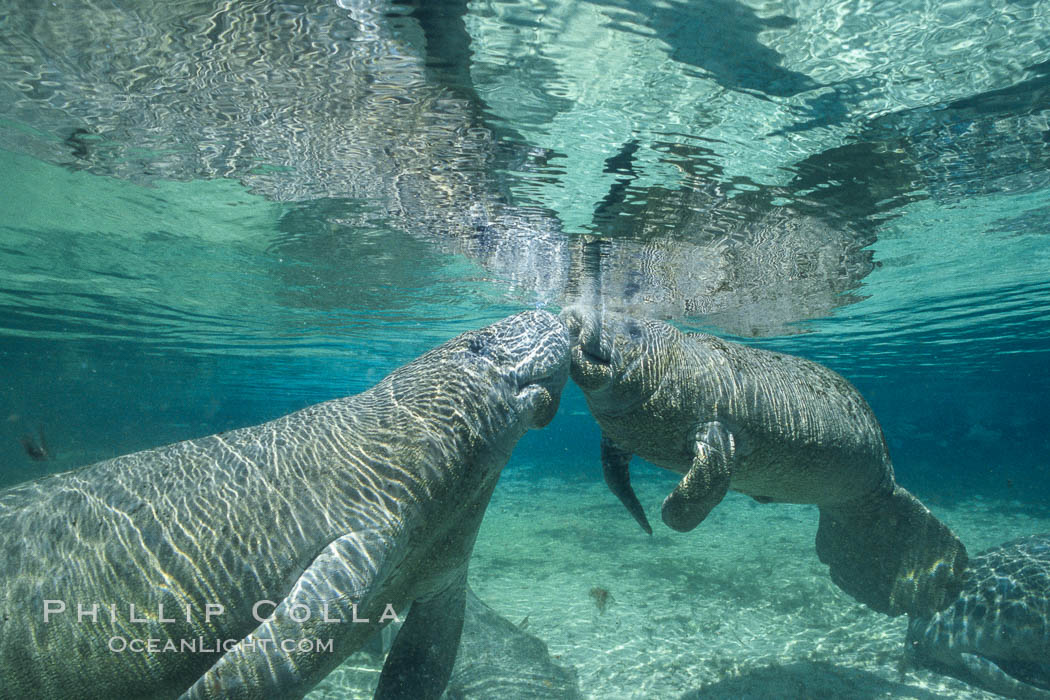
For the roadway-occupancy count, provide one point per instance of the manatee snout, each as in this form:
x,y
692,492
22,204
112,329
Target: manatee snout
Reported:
x,y
541,350
592,348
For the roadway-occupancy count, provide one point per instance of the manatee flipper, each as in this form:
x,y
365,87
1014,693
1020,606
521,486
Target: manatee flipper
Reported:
x,y
707,481
615,468
420,663
892,554
344,574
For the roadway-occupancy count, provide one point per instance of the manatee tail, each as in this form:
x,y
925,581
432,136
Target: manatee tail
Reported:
x,y
891,554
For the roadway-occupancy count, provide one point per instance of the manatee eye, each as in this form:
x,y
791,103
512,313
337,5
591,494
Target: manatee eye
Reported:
x,y
634,331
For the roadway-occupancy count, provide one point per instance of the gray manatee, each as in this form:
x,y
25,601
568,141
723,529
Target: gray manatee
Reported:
x,y
997,634
773,426
344,510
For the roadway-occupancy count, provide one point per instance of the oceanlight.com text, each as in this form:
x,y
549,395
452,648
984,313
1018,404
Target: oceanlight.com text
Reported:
x,y
200,645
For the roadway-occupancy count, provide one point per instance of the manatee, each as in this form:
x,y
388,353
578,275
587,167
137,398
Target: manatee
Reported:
x,y
997,633
775,427
498,659
346,510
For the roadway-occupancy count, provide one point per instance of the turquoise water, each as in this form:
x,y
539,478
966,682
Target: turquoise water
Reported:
x,y
212,214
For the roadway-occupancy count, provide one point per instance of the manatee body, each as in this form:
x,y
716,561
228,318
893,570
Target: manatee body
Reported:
x,y
997,633
332,513
773,426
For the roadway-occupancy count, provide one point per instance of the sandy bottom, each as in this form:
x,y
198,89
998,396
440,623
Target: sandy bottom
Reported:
x,y
739,608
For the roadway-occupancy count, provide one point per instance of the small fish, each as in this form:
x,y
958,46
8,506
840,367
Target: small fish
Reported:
x,y
37,451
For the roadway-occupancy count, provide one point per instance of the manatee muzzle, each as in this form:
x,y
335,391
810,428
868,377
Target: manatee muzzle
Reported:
x,y
543,367
592,349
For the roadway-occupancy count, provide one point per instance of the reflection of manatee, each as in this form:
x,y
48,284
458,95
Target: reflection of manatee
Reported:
x,y
743,263
369,105
329,104
753,280
776,427
334,513
997,634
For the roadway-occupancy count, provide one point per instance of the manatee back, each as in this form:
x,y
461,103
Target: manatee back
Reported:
x,y
1002,615
803,433
233,519
227,519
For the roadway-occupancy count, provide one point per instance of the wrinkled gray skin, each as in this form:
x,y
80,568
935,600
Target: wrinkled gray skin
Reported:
x,y
369,500
773,426
997,634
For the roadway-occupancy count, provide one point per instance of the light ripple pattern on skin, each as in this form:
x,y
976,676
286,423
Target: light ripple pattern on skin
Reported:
x,y
775,427
356,503
997,634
